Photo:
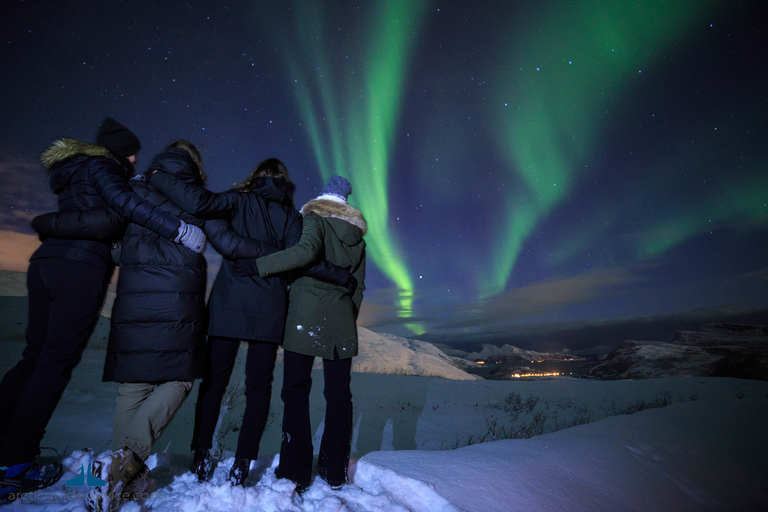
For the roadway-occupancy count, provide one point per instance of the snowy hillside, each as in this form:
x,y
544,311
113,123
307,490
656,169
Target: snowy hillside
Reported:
x,y
454,443
726,350
704,451
678,458
650,359
13,284
386,353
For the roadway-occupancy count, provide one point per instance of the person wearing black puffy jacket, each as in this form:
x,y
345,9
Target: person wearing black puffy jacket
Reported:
x,y
157,338
250,309
67,282
158,325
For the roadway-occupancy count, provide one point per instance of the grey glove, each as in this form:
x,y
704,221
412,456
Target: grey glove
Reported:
x,y
191,236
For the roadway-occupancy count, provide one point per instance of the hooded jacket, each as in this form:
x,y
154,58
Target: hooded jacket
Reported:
x,y
86,176
245,308
159,316
322,316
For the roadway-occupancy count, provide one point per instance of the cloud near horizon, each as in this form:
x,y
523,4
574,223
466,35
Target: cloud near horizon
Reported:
x,y
380,309
539,299
15,250
24,193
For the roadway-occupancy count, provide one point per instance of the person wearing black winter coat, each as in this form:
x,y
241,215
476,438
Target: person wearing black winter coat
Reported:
x,y
66,282
158,324
251,309
157,338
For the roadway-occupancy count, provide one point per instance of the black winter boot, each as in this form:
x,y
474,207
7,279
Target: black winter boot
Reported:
x,y
201,464
339,479
239,472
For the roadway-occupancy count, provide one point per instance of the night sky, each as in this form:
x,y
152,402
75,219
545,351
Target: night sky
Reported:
x,y
555,175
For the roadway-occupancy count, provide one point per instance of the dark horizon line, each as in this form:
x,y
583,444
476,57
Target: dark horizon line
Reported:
x,y
591,335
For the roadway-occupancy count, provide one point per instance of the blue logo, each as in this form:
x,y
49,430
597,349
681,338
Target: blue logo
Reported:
x,y
85,478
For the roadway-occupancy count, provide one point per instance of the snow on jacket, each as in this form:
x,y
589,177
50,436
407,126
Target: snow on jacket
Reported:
x,y
245,308
322,316
159,316
85,176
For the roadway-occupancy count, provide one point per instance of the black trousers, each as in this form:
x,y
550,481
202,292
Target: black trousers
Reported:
x,y
296,447
65,299
259,369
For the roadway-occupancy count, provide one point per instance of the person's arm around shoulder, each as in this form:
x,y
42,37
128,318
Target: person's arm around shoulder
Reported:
x,y
327,272
120,197
359,275
114,190
231,244
308,250
97,224
194,199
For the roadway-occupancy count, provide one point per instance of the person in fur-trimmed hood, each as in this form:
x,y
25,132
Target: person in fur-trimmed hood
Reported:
x,y
321,322
334,230
66,283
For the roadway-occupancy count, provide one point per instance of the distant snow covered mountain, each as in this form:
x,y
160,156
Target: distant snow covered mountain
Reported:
x,y
390,354
507,353
721,350
511,354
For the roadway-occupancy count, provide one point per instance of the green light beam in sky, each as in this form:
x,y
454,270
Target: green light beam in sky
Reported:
x,y
351,115
741,204
564,76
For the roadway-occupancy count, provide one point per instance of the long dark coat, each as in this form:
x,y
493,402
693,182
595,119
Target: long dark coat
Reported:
x,y
322,316
159,316
246,308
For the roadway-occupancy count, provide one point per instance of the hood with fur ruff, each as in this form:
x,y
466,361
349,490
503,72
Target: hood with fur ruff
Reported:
x,y
64,149
337,210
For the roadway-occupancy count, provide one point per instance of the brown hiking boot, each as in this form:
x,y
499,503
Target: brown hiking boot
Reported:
x,y
125,474
125,466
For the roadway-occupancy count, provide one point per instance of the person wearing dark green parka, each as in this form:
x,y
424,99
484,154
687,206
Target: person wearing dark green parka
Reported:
x,y
321,322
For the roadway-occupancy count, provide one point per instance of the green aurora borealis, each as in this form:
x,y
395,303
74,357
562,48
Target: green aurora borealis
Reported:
x,y
524,167
351,117
557,82
563,76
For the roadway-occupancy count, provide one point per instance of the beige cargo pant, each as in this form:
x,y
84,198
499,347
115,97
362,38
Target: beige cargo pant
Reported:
x,y
143,411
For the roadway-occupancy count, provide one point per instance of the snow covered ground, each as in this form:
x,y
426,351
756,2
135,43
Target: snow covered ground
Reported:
x,y
706,451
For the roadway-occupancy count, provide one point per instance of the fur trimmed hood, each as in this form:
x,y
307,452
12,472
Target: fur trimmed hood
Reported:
x,y
337,210
64,149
